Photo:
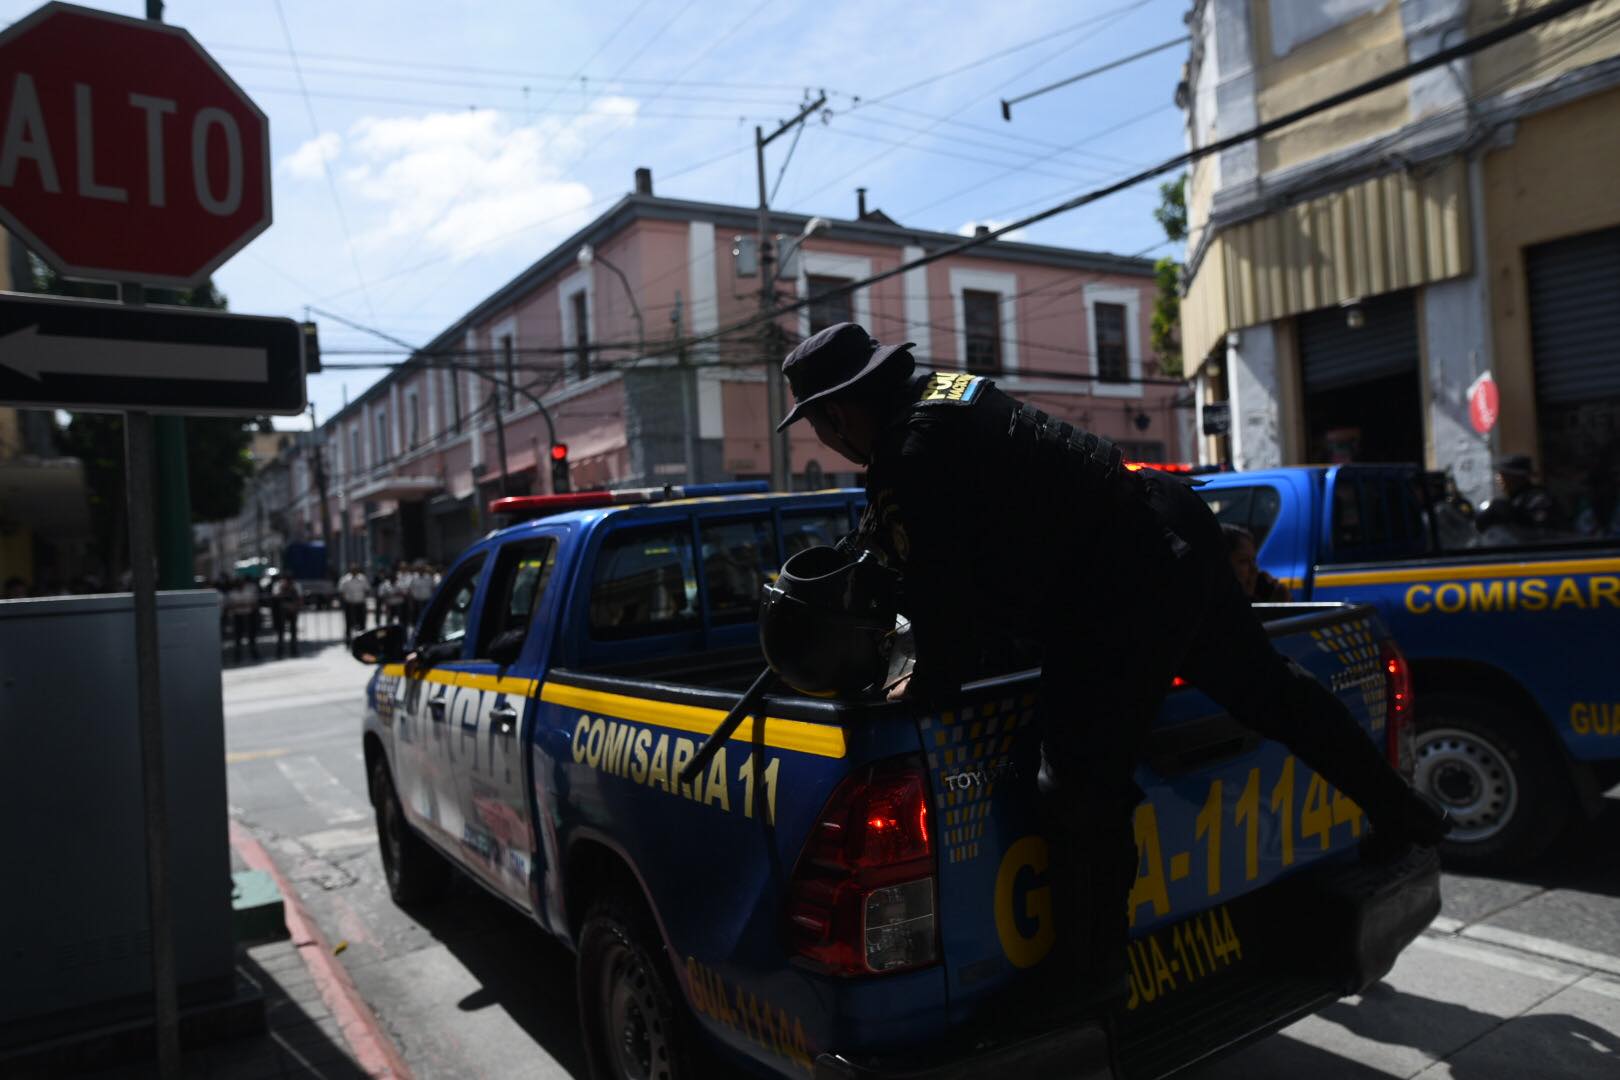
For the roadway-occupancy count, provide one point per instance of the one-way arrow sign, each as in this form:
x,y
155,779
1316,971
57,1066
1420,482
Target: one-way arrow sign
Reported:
x,y
89,354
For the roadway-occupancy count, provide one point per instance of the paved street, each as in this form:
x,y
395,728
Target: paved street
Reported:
x,y
1518,978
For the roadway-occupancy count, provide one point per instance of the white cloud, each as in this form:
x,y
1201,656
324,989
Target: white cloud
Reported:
x,y
466,183
305,163
967,227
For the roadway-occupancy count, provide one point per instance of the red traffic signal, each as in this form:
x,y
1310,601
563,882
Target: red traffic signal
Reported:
x,y
559,451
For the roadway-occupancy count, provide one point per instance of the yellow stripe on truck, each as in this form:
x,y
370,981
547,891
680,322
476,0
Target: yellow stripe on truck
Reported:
x,y
823,740
501,684
1466,573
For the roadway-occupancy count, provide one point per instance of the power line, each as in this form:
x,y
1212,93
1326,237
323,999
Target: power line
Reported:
x,y
326,165
1019,47
1106,19
1477,43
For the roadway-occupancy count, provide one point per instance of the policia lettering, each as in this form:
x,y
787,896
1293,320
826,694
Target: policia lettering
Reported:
x,y
654,759
1514,594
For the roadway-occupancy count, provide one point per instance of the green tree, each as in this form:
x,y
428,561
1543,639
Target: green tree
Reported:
x,y
216,447
1171,214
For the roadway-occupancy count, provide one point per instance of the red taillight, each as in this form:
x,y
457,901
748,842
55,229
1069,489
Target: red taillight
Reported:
x,y
1398,709
861,900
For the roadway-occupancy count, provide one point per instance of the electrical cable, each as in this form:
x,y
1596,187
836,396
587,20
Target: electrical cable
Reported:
x,y
326,165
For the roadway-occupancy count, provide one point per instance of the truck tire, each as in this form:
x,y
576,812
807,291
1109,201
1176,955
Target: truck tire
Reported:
x,y
416,874
1494,772
635,1022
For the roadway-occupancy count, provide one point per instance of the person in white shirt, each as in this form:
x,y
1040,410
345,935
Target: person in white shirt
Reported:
x,y
353,591
420,586
243,604
391,599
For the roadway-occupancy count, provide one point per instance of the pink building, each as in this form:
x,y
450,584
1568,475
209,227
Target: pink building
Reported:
x,y
595,339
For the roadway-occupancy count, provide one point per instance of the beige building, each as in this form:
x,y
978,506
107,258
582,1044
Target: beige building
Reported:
x,y
1349,278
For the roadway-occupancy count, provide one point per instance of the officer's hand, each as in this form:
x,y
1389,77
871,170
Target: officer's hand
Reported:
x,y
898,691
415,664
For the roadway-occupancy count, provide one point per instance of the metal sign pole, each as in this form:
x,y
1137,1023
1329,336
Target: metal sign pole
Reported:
x,y
139,462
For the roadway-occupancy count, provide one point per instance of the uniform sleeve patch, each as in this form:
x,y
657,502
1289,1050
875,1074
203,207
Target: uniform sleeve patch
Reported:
x,y
952,388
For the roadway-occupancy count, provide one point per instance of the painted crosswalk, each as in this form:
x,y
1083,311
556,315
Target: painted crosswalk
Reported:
x,y
320,790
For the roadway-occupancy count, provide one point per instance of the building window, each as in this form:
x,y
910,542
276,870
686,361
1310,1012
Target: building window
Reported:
x,y
354,450
382,454
413,418
582,334
828,310
981,318
509,369
1113,365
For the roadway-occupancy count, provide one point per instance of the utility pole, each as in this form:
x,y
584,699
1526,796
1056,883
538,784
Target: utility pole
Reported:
x,y
775,387
320,488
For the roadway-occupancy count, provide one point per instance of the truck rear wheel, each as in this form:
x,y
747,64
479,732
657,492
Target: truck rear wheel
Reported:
x,y
1495,775
629,1004
416,874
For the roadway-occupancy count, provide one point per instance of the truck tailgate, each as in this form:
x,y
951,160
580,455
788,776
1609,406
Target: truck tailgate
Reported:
x,y
1227,817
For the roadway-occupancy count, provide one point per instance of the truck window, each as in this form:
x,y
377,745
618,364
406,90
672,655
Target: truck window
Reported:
x,y
739,557
1254,507
445,626
645,583
522,571
815,528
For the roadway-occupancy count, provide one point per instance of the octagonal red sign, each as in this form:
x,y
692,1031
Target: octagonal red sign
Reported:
x,y
126,152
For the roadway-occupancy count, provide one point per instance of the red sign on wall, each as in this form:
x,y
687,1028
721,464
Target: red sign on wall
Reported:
x,y
126,152
1484,404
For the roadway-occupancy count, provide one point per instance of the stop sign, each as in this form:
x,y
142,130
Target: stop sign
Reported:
x,y
1484,404
126,152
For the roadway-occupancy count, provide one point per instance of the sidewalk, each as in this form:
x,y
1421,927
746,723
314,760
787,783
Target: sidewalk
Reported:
x,y
316,1024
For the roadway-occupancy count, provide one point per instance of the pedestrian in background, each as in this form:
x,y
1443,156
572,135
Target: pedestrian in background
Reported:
x,y
286,601
353,592
391,599
243,603
423,582
1259,586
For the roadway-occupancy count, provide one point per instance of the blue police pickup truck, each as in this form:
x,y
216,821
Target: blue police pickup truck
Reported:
x,y
1513,648
851,888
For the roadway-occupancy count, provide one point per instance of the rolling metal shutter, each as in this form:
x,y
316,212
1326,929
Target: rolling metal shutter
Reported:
x,y
1332,355
1575,317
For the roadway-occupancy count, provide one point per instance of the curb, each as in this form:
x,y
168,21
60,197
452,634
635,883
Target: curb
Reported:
x,y
373,1050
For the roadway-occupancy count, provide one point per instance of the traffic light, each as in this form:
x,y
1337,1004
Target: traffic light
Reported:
x,y
559,467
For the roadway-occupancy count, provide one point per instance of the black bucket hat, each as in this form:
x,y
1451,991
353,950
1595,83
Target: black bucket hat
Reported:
x,y
831,360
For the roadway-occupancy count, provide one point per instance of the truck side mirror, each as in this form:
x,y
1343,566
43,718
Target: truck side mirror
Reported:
x,y
380,645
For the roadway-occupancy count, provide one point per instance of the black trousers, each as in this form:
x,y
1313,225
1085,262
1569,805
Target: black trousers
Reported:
x,y
1168,606
354,618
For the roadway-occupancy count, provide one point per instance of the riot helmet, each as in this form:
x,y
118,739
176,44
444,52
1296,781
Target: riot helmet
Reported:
x,y
827,623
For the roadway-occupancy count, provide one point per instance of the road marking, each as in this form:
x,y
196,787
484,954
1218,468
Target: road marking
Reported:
x,y
1446,925
256,705
1546,947
320,789
329,840
1600,984
236,757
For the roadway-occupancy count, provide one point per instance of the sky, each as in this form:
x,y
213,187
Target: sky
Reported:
x,y
426,153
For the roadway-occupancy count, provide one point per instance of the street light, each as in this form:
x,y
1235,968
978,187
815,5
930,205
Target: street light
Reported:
x,y
587,256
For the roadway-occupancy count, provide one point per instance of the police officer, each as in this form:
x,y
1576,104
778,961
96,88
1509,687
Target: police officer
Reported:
x,y
1000,518
1523,504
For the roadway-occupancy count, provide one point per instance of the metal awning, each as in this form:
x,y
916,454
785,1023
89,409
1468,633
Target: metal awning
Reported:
x,y
400,488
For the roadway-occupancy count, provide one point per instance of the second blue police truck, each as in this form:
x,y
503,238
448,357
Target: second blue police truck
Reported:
x,y
1512,648
851,888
